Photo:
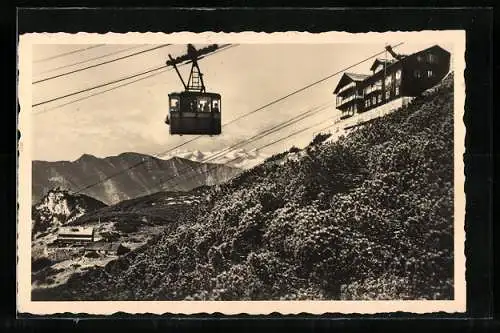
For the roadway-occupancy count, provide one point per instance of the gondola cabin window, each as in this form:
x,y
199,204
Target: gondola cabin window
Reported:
x,y
429,73
203,104
174,104
216,105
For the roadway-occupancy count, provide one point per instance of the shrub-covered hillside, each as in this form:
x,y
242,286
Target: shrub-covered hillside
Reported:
x,y
367,217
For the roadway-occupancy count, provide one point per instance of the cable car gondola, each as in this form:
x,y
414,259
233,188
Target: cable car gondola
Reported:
x,y
193,111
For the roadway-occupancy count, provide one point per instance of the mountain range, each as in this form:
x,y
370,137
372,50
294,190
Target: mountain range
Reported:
x,y
125,176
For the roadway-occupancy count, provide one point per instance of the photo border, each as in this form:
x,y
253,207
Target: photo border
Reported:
x,y
468,138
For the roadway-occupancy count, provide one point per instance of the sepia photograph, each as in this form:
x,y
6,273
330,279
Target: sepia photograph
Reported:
x,y
241,173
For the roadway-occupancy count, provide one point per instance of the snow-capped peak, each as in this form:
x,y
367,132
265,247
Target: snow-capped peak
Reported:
x,y
239,158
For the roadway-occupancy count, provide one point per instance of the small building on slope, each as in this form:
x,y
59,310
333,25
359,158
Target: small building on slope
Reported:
x,y
75,236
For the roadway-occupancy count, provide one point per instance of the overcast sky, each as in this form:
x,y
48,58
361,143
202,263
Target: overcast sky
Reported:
x,y
131,118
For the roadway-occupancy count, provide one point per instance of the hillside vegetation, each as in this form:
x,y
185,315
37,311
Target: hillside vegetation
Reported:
x,y
367,217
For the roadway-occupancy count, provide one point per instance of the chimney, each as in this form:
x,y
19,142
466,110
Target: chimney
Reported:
x,y
394,54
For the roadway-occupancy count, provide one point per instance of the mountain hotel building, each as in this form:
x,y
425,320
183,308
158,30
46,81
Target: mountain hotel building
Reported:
x,y
392,83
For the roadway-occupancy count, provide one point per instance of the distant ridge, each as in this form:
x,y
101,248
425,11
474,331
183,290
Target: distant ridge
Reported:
x,y
151,175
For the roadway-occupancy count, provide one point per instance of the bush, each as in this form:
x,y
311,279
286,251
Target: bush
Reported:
x,y
41,263
92,254
122,250
319,138
110,236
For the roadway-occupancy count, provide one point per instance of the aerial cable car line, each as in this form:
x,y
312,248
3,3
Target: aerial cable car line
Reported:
x,y
164,69
261,134
238,157
324,128
142,162
317,109
154,155
102,92
234,120
69,53
245,141
274,129
309,86
269,131
264,146
99,86
95,87
101,63
199,136
304,88
90,59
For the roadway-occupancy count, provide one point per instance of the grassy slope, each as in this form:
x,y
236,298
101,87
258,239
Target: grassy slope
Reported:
x,y
369,216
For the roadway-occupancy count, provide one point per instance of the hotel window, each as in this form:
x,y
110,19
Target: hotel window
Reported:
x,y
397,91
417,74
398,74
388,80
420,58
387,94
379,98
374,100
355,107
432,58
429,73
368,103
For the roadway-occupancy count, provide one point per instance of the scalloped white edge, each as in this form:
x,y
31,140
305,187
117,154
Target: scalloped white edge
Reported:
x,y
24,303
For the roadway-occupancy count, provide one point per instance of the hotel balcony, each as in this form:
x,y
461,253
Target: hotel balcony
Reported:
x,y
343,101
